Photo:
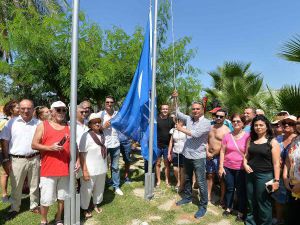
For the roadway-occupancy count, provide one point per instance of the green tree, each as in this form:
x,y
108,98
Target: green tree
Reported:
x,y
235,87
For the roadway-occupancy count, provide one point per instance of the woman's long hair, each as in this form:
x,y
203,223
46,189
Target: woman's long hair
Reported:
x,y
269,132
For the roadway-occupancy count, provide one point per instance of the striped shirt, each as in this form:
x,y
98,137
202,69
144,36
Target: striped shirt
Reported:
x,y
195,145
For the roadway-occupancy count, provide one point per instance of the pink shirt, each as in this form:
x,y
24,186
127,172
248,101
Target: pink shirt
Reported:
x,y
233,159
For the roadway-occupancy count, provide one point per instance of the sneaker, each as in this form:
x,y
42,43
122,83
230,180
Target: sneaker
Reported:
x,y
11,214
127,180
118,191
5,199
183,201
200,213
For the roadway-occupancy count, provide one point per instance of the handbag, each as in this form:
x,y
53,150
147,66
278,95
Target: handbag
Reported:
x,y
98,142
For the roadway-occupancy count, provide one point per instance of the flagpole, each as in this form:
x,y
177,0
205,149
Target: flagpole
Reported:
x,y
74,69
150,176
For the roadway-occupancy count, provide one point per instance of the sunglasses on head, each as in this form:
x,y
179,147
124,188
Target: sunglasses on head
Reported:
x,y
284,123
59,110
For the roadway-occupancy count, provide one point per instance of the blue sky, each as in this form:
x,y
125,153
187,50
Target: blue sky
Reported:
x,y
221,30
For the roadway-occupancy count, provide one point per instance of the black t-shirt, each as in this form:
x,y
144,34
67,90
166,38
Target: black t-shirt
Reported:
x,y
260,157
163,131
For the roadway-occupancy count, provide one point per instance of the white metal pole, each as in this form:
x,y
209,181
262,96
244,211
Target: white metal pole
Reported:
x,y
74,69
153,94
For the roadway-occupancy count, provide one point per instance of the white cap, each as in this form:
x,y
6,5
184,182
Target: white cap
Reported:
x,y
94,116
58,104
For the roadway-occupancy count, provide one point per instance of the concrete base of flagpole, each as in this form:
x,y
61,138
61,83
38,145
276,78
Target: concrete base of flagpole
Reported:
x,y
149,185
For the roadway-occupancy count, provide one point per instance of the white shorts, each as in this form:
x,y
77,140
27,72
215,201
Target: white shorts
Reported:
x,y
53,188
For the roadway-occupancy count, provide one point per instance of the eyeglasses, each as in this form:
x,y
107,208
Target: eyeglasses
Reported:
x,y
288,123
236,121
109,102
96,122
219,117
195,108
82,112
59,110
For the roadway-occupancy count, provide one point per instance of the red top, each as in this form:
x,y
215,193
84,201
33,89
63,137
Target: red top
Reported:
x,y
55,163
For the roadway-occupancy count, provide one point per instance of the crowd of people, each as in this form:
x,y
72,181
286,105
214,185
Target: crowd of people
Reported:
x,y
254,162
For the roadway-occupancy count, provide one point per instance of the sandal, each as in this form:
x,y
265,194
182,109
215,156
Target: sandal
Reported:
x,y
35,210
98,210
87,214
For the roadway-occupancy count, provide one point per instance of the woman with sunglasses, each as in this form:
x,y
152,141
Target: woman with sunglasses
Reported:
x,y
231,165
262,166
291,177
288,125
93,160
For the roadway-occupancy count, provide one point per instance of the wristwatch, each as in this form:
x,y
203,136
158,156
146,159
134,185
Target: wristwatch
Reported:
x,y
5,160
274,180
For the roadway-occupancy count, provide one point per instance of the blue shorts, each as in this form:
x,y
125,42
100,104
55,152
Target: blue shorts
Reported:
x,y
162,152
280,195
212,166
175,159
125,148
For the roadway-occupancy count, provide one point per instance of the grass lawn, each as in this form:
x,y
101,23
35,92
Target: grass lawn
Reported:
x,y
132,209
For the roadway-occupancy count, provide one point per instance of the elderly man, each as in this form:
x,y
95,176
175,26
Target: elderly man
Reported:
x,y
194,151
52,139
20,160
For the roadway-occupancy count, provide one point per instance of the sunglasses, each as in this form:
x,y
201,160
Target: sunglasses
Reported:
x,y
195,108
288,123
236,121
219,117
82,112
59,110
276,125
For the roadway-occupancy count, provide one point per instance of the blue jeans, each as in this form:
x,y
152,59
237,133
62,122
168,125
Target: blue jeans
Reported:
x,y
197,165
114,167
235,179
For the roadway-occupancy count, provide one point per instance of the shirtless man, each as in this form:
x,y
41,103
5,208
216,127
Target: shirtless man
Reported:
x,y
215,136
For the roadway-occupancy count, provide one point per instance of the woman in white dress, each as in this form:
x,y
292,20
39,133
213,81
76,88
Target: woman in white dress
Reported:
x,y
93,160
175,155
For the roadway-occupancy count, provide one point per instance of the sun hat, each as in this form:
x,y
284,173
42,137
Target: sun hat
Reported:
x,y
94,116
215,110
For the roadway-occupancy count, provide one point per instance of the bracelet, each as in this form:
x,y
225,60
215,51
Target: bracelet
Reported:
x,y
274,180
5,160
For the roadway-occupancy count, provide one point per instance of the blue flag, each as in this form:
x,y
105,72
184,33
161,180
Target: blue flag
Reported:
x,y
134,116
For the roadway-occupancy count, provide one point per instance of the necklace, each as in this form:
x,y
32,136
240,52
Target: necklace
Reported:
x,y
238,135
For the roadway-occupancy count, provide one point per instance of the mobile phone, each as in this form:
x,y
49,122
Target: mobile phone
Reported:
x,y
62,141
269,188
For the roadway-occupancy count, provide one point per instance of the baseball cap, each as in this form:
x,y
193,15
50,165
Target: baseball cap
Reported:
x,y
58,104
215,110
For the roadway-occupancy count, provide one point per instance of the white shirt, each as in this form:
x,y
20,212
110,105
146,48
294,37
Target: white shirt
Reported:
x,y
20,134
179,139
80,129
110,133
94,161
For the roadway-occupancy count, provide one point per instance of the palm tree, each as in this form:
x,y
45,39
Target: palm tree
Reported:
x,y
288,97
235,87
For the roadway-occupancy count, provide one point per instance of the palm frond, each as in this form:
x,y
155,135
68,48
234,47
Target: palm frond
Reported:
x,y
291,50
